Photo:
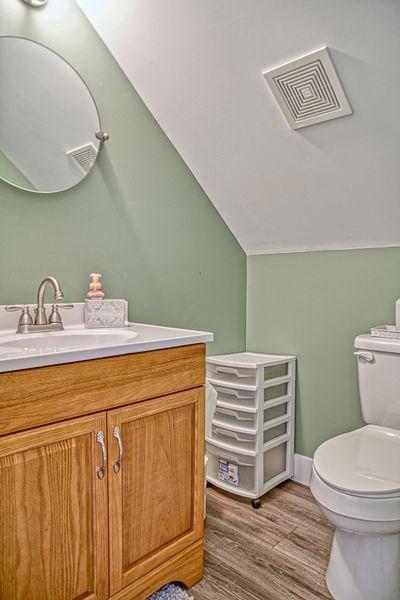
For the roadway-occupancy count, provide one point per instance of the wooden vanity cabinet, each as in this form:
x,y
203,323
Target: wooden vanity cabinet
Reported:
x,y
156,497
107,504
53,513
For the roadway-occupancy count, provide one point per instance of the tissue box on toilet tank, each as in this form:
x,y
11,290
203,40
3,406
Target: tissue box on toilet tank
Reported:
x,y
106,313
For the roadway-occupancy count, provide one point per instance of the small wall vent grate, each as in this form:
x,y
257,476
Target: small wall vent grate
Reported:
x,y
84,157
308,90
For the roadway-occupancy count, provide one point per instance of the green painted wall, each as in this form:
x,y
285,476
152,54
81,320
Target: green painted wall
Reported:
x,y
313,305
142,220
140,217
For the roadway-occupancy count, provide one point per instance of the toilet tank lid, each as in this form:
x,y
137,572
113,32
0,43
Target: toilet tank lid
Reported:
x,y
369,342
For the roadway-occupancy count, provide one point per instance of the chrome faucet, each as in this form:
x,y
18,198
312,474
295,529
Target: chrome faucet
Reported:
x,y
54,322
40,314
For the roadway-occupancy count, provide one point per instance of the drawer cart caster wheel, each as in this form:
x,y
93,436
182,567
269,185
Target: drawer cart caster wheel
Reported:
x,y
256,503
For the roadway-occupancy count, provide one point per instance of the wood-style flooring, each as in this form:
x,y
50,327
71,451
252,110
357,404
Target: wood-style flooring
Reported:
x,y
275,553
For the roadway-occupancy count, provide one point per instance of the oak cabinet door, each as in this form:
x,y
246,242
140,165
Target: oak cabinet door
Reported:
x,y
156,492
53,513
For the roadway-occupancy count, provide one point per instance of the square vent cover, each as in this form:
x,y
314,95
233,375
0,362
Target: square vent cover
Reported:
x,y
308,90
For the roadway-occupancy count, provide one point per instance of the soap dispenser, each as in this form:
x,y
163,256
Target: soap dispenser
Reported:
x,y
398,315
95,287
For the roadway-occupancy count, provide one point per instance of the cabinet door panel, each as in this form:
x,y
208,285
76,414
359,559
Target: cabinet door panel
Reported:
x,y
156,499
53,513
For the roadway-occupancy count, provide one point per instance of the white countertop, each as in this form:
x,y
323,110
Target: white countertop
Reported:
x,y
149,337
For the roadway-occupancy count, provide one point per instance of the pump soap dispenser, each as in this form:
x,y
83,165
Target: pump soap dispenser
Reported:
x,y
95,287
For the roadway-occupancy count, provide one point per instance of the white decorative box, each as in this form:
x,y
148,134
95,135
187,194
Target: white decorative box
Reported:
x,y
105,313
385,331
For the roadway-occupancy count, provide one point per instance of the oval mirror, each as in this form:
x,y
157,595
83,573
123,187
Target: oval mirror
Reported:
x,y
48,119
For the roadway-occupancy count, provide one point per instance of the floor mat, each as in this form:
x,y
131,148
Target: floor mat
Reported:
x,y
171,592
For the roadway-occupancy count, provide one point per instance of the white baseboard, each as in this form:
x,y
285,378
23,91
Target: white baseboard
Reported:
x,y
302,469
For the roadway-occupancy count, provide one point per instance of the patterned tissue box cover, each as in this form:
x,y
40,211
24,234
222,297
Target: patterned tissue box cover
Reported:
x,y
106,313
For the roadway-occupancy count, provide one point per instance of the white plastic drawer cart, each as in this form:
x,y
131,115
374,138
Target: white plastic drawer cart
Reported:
x,y
250,437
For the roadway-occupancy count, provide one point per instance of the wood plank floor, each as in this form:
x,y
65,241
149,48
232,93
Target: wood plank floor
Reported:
x,y
278,552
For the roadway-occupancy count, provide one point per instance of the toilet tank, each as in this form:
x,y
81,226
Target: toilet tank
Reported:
x,y
378,361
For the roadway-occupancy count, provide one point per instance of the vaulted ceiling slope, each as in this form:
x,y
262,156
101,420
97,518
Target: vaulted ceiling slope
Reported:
x,y
198,66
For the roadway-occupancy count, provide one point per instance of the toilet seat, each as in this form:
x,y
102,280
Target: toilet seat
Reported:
x,y
357,474
364,463
383,508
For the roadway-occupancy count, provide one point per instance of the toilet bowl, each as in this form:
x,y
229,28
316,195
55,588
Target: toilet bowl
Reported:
x,y
363,503
356,482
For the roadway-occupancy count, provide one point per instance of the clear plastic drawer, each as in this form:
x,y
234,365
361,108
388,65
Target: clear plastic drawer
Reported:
x,y
276,391
274,371
236,398
275,460
235,419
239,440
231,469
274,432
278,410
233,375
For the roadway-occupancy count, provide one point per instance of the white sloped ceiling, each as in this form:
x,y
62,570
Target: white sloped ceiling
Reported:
x,y
198,66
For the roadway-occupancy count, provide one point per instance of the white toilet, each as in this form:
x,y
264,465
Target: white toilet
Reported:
x,y
356,482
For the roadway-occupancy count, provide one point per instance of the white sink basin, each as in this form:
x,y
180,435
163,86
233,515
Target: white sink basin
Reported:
x,y
62,341
76,343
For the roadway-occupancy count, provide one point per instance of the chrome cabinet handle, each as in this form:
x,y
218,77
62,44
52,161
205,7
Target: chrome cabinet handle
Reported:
x,y
117,435
101,471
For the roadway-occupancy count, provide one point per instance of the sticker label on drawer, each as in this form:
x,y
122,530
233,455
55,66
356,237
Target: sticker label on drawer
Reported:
x,y
228,471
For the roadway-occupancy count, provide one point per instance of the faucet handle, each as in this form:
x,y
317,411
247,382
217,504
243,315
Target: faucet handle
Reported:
x,y
57,306
25,318
55,315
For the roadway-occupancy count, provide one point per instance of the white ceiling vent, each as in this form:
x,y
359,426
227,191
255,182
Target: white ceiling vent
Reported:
x,y
84,157
308,90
